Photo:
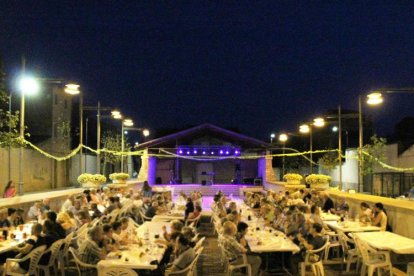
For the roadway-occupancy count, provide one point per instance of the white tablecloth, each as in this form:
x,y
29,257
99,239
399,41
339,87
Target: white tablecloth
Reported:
x,y
329,217
140,257
8,244
351,226
388,241
266,241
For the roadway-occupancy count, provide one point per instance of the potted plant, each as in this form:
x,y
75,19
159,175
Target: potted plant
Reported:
x,y
318,181
119,178
88,180
293,178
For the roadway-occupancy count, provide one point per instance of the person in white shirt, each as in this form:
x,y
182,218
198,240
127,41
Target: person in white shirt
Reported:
x,y
34,211
68,203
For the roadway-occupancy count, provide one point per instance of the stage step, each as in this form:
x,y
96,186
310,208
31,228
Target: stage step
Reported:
x,y
211,190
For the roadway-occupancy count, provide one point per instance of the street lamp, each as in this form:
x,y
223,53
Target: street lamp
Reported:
x,y
272,136
127,124
73,89
283,137
307,128
27,86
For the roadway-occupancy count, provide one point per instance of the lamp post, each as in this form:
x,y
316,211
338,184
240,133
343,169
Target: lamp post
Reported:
x,y
73,89
127,125
308,128
272,137
29,86
99,109
283,138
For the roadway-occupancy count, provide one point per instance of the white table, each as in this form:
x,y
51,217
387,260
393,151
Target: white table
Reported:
x,y
351,226
7,245
264,241
176,215
388,241
136,256
329,217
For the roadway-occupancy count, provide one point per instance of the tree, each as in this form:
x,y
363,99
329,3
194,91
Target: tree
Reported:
x,y
376,152
113,142
8,121
329,160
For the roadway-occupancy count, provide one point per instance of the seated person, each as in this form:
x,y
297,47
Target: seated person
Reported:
x,y
341,208
11,216
328,203
108,242
64,219
4,222
151,210
196,213
35,211
89,250
379,217
365,212
49,236
19,217
57,228
234,250
184,254
242,229
190,235
314,241
95,210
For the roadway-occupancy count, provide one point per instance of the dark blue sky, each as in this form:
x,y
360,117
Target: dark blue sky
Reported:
x,y
260,66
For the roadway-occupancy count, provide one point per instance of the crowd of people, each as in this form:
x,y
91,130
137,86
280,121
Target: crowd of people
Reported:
x,y
103,221
297,215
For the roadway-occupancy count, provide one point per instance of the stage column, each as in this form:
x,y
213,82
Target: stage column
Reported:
x,y
152,169
269,173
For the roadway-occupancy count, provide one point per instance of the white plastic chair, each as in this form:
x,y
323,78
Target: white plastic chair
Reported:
x,y
190,270
116,271
335,244
143,217
79,265
193,221
54,251
199,243
317,267
372,258
350,255
63,255
230,267
34,256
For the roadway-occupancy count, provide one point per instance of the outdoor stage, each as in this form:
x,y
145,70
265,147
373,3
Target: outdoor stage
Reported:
x,y
208,190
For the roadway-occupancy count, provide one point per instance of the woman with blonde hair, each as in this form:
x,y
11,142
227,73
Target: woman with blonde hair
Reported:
x,y
64,219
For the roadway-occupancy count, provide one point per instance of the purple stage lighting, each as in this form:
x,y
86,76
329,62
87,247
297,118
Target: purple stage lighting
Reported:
x,y
236,152
227,152
204,152
180,151
212,152
188,152
221,151
195,151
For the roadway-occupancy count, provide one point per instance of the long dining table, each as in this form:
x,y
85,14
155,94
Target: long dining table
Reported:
x,y
139,256
385,240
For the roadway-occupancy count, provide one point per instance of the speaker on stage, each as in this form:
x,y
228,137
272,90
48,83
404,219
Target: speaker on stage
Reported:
x,y
204,182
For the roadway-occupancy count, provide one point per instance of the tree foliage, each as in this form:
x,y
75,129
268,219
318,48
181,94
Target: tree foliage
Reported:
x,y
376,151
329,161
8,121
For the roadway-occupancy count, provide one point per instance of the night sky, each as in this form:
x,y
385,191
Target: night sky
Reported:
x,y
259,66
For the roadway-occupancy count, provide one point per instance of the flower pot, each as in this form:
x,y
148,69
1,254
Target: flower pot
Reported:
x,y
292,182
119,181
90,184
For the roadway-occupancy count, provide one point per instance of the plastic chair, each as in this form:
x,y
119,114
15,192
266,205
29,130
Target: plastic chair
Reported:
x,y
79,265
199,243
193,221
230,267
190,269
116,271
335,244
350,255
143,217
373,259
63,255
54,251
317,267
34,256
